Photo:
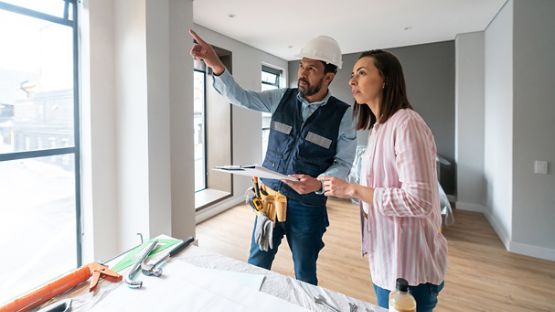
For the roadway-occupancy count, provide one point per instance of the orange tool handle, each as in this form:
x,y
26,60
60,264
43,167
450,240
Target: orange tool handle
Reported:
x,y
48,291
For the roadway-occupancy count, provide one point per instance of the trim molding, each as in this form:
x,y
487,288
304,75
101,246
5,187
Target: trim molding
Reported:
x,y
470,207
209,212
532,250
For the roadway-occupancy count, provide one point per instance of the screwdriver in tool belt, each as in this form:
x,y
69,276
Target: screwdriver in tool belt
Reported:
x,y
256,187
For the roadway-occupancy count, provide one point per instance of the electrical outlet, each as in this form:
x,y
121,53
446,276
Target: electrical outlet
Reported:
x,y
540,167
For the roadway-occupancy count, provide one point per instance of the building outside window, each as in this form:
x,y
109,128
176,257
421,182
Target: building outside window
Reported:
x,y
39,143
199,120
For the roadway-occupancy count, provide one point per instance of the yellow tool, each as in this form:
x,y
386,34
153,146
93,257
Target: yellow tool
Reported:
x,y
254,201
253,198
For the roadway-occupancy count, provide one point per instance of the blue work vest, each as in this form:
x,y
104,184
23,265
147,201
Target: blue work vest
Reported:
x,y
304,148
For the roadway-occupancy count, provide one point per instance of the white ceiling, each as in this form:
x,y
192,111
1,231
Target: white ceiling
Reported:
x,y
281,27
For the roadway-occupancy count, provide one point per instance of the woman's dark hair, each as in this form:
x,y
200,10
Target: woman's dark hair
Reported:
x,y
394,92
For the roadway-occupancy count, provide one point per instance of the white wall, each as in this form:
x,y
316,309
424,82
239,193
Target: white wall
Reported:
x,y
98,128
158,112
246,125
533,127
498,120
181,120
139,177
131,119
469,120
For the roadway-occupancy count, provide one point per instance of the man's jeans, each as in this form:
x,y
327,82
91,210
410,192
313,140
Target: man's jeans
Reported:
x,y
304,229
424,294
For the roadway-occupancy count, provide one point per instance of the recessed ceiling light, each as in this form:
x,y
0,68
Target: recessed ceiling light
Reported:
x,y
231,15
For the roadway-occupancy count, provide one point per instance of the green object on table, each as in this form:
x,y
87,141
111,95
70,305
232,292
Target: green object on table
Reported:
x,y
130,258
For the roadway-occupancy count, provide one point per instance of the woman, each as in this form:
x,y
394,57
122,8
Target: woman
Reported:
x,y
400,213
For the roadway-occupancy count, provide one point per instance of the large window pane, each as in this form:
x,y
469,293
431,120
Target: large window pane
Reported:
x,y
39,204
270,78
36,84
37,222
199,132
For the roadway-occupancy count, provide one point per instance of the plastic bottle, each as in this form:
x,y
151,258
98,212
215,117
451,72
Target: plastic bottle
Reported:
x,y
401,300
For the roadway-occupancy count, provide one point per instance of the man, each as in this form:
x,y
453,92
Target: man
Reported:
x,y
311,135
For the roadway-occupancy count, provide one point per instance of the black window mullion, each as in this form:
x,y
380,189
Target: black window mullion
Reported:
x,y
37,153
36,14
76,131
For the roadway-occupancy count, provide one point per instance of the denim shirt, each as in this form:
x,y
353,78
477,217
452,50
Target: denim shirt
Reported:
x,y
268,101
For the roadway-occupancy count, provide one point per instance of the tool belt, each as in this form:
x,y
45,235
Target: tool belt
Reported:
x,y
265,200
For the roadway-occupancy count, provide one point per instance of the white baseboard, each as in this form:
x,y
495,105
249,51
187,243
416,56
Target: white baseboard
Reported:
x,y
470,207
532,251
209,212
511,246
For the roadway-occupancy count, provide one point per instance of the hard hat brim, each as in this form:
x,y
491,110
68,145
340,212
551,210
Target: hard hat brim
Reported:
x,y
312,57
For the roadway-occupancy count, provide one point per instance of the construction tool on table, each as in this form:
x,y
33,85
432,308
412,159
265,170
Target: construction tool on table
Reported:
x,y
58,306
155,269
130,278
59,286
270,206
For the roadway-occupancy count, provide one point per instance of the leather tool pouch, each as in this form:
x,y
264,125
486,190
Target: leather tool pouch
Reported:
x,y
274,204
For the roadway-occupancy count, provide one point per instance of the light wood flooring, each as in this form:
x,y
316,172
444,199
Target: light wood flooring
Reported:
x,y
482,275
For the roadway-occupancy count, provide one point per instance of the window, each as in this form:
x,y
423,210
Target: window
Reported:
x,y
199,120
270,81
213,117
39,143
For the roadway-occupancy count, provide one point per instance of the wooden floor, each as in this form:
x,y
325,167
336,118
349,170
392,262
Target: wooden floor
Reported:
x,y
482,275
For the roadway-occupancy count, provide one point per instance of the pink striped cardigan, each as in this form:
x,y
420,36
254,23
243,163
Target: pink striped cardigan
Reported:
x,y
401,234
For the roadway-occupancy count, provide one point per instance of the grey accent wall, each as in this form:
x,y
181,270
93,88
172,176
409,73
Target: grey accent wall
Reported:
x,y
430,77
533,125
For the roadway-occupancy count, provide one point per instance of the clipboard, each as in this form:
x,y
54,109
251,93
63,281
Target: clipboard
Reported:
x,y
254,171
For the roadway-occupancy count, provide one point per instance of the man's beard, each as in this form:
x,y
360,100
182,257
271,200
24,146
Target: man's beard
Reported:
x,y
307,89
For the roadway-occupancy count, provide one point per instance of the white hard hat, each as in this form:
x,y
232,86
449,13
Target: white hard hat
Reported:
x,y
323,48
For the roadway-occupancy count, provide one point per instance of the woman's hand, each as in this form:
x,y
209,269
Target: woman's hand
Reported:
x,y
339,188
336,187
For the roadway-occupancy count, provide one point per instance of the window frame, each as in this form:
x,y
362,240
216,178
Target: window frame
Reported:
x,y
205,146
278,73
